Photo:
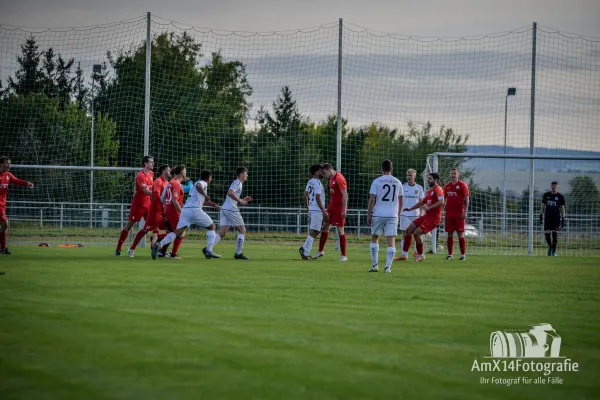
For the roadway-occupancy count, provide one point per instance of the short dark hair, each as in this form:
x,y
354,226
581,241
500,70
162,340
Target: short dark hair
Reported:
x,y
240,170
327,166
162,168
554,183
386,165
315,168
4,159
204,175
177,170
435,176
145,159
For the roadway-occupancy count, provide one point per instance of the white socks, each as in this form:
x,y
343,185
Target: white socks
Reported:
x,y
167,239
391,253
210,240
308,245
217,239
375,253
239,244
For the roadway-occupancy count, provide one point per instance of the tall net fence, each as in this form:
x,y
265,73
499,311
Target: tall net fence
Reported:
x,y
269,101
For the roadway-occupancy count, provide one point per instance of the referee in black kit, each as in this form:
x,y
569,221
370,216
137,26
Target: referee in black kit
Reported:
x,y
553,209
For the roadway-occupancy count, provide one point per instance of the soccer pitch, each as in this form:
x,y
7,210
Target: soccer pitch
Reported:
x,y
82,324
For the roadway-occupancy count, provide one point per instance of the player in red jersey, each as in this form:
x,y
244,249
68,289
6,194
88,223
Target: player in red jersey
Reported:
x,y
338,206
456,193
172,198
155,221
6,178
141,199
432,204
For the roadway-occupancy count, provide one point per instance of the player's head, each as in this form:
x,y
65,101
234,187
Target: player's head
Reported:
x,y
206,176
454,174
178,172
554,186
242,173
433,179
164,171
148,162
4,164
411,175
315,170
328,170
386,166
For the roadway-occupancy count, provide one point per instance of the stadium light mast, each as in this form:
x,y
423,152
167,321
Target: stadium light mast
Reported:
x,y
96,70
511,92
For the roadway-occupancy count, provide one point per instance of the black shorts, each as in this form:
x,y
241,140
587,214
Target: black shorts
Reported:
x,y
551,224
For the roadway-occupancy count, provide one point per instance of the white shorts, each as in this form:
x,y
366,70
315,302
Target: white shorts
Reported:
x,y
194,216
230,218
316,220
405,222
386,225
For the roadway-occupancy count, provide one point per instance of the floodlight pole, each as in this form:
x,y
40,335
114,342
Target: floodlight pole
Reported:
x,y
147,89
532,143
96,69
338,146
510,92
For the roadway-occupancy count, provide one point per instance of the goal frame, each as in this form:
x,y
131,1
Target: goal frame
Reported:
x,y
532,158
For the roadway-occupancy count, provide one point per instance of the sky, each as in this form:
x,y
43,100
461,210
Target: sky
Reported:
x,y
461,84
418,18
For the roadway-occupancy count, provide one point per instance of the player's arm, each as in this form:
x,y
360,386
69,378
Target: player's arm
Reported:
x,y
372,199
212,204
243,201
438,203
141,182
19,182
563,212
188,187
542,210
175,202
344,202
466,203
200,190
420,203
306,199
400,202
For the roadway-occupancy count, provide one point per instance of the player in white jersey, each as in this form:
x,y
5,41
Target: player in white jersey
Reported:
x,y
314,200
230,214
385,203
413,193
192,213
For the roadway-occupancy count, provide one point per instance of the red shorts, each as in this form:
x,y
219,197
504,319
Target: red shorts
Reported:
x,y
156,221
454,223
335,216
3,216
136,213
172,218
425,224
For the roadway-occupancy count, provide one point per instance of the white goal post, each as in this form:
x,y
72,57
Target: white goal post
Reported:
x,y
506,195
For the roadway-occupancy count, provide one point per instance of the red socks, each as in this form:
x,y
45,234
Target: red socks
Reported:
x,y
138,237
323,240
122,239
463,245
419,248
176,245
343,244
3,240
450,244
407,243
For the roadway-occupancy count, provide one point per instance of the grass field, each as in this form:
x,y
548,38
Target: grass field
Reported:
x,y
83,324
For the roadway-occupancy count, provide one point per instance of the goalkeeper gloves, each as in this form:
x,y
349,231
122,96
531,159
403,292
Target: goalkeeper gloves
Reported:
x,y
541,218
563,221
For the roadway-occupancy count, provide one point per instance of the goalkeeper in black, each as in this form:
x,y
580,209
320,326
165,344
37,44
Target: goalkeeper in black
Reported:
x,y
552,215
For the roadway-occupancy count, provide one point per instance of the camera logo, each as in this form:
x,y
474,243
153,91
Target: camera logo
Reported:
x,y
540,341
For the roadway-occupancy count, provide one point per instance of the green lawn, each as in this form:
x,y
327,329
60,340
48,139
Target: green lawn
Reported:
x,y
83,324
